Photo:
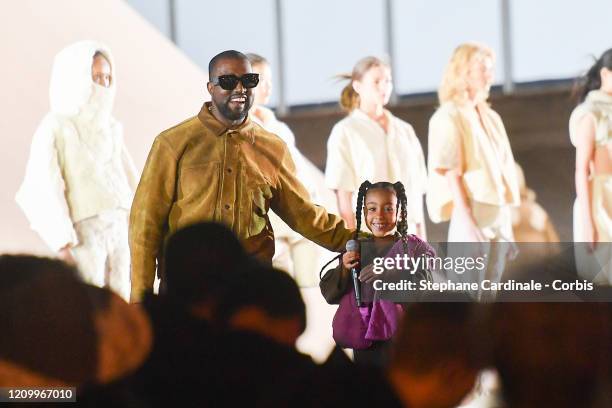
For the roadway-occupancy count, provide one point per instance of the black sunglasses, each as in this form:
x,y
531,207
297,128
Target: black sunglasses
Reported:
x,y
229,82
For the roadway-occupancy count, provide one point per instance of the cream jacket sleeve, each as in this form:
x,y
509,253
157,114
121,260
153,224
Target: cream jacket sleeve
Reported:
x,y
444,153
129,167
340,168
414,176
42,193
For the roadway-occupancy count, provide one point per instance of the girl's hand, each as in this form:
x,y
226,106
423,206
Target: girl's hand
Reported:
x,y
350,259
367,274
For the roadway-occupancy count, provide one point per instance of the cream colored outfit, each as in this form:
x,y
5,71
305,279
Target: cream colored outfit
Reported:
x,y
599,268
457,140
358,149
483,156
530,222
293,253
79,179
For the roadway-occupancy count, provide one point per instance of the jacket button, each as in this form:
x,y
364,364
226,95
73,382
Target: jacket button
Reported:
x,y
227,206
229,169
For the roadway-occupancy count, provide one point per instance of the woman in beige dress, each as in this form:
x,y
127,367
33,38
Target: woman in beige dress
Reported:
x,y
472,176
370,143
591,132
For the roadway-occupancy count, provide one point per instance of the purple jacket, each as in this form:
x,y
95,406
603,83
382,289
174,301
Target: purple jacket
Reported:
x,y
358,327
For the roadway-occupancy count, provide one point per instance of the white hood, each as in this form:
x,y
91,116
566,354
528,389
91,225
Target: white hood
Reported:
x,y
71,86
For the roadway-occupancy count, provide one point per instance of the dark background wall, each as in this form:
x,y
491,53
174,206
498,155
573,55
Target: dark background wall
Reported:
x,y
536,121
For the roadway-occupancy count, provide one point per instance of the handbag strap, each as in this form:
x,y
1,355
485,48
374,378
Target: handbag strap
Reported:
x,y
327,264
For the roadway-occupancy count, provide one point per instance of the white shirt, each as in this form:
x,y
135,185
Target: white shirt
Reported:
x,y
457,140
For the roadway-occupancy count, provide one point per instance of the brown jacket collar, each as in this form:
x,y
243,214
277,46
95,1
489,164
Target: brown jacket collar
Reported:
x,y
218,128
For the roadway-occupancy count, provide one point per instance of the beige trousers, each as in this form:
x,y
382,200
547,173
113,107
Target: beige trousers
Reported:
x,y
495,222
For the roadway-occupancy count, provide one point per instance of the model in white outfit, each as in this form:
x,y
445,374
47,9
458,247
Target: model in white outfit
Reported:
x,y
80,179
590,129
293,253
372,144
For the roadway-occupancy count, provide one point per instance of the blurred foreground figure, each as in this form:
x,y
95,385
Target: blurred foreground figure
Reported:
x,y
558,356
79,179
59,331
435,360
225,327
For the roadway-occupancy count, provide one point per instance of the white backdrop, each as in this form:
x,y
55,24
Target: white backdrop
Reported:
x,y
551,39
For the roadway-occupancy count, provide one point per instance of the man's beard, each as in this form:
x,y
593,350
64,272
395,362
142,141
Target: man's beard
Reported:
x,y
235,115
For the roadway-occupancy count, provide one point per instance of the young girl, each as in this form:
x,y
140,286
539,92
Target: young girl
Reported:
x,y
384,206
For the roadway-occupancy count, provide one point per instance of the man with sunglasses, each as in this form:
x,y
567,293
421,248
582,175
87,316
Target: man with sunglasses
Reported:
x,y
221,166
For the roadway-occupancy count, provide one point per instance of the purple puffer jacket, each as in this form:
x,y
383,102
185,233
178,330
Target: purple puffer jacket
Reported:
x,y
358,327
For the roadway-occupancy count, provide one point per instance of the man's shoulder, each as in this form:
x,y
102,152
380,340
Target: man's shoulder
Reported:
x,y
183,132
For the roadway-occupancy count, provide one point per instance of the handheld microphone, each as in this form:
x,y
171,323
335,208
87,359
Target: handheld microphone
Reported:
x,y
353,246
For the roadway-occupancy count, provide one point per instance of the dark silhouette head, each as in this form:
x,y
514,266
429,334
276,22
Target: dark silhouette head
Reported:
x,y
434,361
202,261
267,301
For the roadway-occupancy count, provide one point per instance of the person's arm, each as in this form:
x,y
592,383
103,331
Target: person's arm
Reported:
x,y
463,210
42,195
418,183
292,204
446,159
585,151
149,215
128,165
345,207
340,174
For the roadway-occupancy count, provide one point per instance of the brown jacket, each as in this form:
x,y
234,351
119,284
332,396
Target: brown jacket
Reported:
x,y
199,171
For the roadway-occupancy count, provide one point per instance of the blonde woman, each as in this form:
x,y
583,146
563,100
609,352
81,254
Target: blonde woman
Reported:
x,y
372,144
472,176
591,132
294,254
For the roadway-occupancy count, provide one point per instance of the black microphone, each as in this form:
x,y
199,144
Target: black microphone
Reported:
x,y
353,246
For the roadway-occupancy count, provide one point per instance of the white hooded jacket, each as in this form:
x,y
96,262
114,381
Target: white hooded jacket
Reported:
x,y
79,166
